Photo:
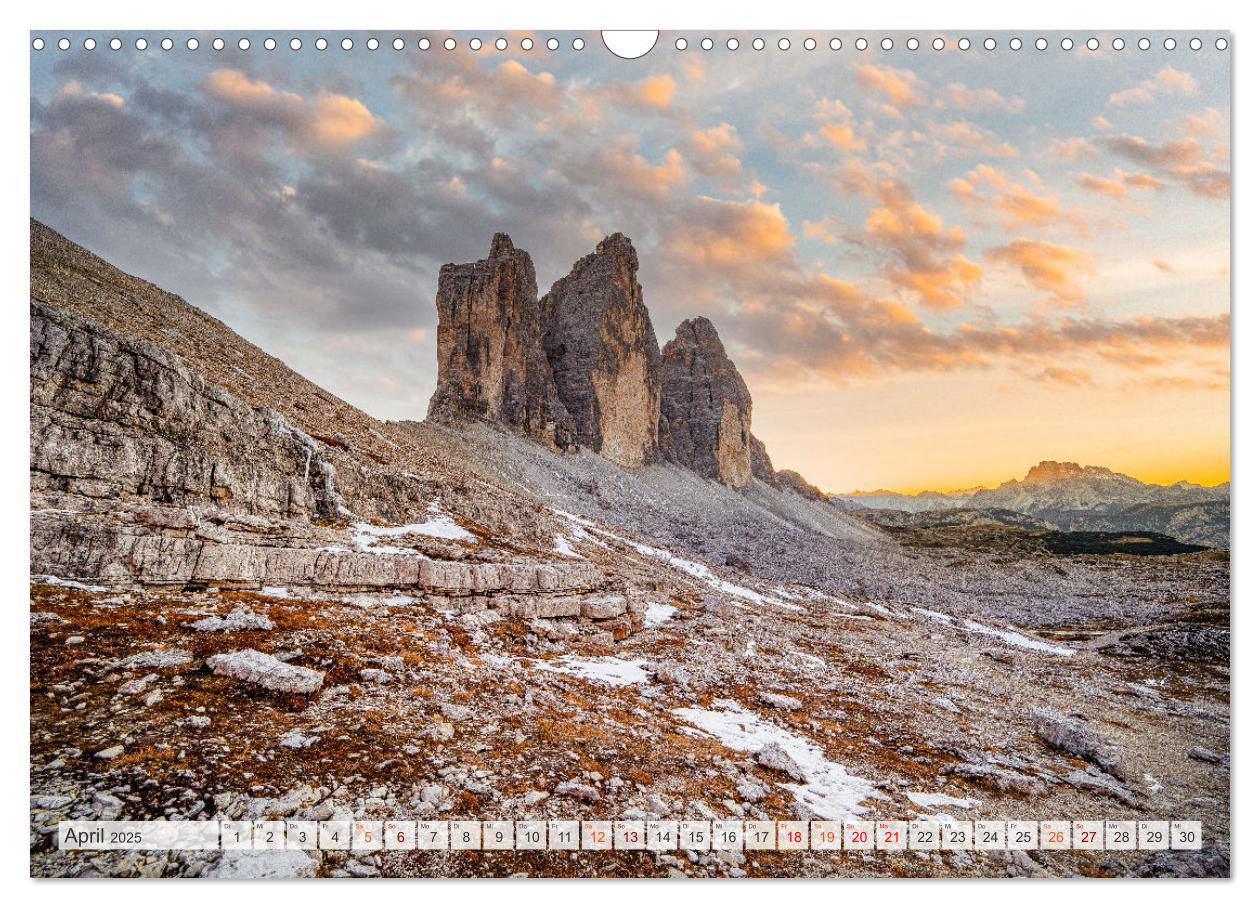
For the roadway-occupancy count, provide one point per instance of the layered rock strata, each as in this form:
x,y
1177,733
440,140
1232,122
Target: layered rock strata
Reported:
x,y
145,473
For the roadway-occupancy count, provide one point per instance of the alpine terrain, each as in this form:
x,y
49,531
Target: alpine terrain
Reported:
x,y
577,588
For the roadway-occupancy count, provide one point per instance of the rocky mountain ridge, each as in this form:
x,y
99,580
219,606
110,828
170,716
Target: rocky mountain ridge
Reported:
x,y
1072,497
609,387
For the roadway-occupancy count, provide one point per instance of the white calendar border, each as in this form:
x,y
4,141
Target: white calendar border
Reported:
x,y
502,14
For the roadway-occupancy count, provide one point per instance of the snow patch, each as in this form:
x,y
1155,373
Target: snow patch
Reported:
x,y
439,525
607,669
1016,639
50,580
704,573
262,865
829,791
564,548
657,613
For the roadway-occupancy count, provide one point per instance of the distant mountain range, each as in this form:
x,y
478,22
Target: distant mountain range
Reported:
x,y
1069,496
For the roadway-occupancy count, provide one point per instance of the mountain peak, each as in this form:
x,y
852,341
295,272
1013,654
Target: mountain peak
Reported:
x,y
1058,471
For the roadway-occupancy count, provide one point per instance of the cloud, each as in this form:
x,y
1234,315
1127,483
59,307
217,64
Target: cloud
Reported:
x,y
927,258
740,237
715,151
900,87
1208,125
1118,185
328,122
74,89
1060,375
693,67
1056,270
829,229
1072,149
1018,204
1180,160
653,94
619,165
836,126
657,91
1167,81
963,139
960,96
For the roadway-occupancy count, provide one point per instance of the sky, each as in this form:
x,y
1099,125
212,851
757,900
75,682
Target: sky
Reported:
x,y
933,268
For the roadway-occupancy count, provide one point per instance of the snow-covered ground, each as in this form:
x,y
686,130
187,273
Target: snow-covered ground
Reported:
x,y
657,613
829,790
606,669
439,525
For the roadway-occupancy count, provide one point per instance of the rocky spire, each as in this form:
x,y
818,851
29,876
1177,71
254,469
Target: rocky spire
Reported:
x,y
706,410
603,353
491,364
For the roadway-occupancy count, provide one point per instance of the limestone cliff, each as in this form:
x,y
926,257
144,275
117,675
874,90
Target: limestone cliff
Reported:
x,y
706,410
603,353
491,363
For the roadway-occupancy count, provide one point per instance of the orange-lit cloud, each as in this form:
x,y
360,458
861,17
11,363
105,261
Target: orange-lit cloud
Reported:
x,y
1118,185
631,172
962,139
74,89
1072,149
746,236
1063,376
1166,81
329,121
1018,204
929,261
1208,125
1182,160
837,127
900,87
657,91
960,96
1056,270
715,151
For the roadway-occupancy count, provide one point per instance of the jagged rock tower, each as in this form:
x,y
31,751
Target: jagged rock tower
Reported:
x,y
603,353
706,410
581,366
491,363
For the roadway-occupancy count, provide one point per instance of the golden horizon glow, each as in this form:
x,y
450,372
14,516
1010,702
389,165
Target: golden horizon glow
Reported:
x,y
954,431
1203,476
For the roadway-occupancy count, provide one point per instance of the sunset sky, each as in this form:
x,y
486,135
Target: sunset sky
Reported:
x,y
934,268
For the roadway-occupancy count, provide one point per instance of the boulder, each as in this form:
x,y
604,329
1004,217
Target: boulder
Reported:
x,y
266,671
773,756
1073,737
778,701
